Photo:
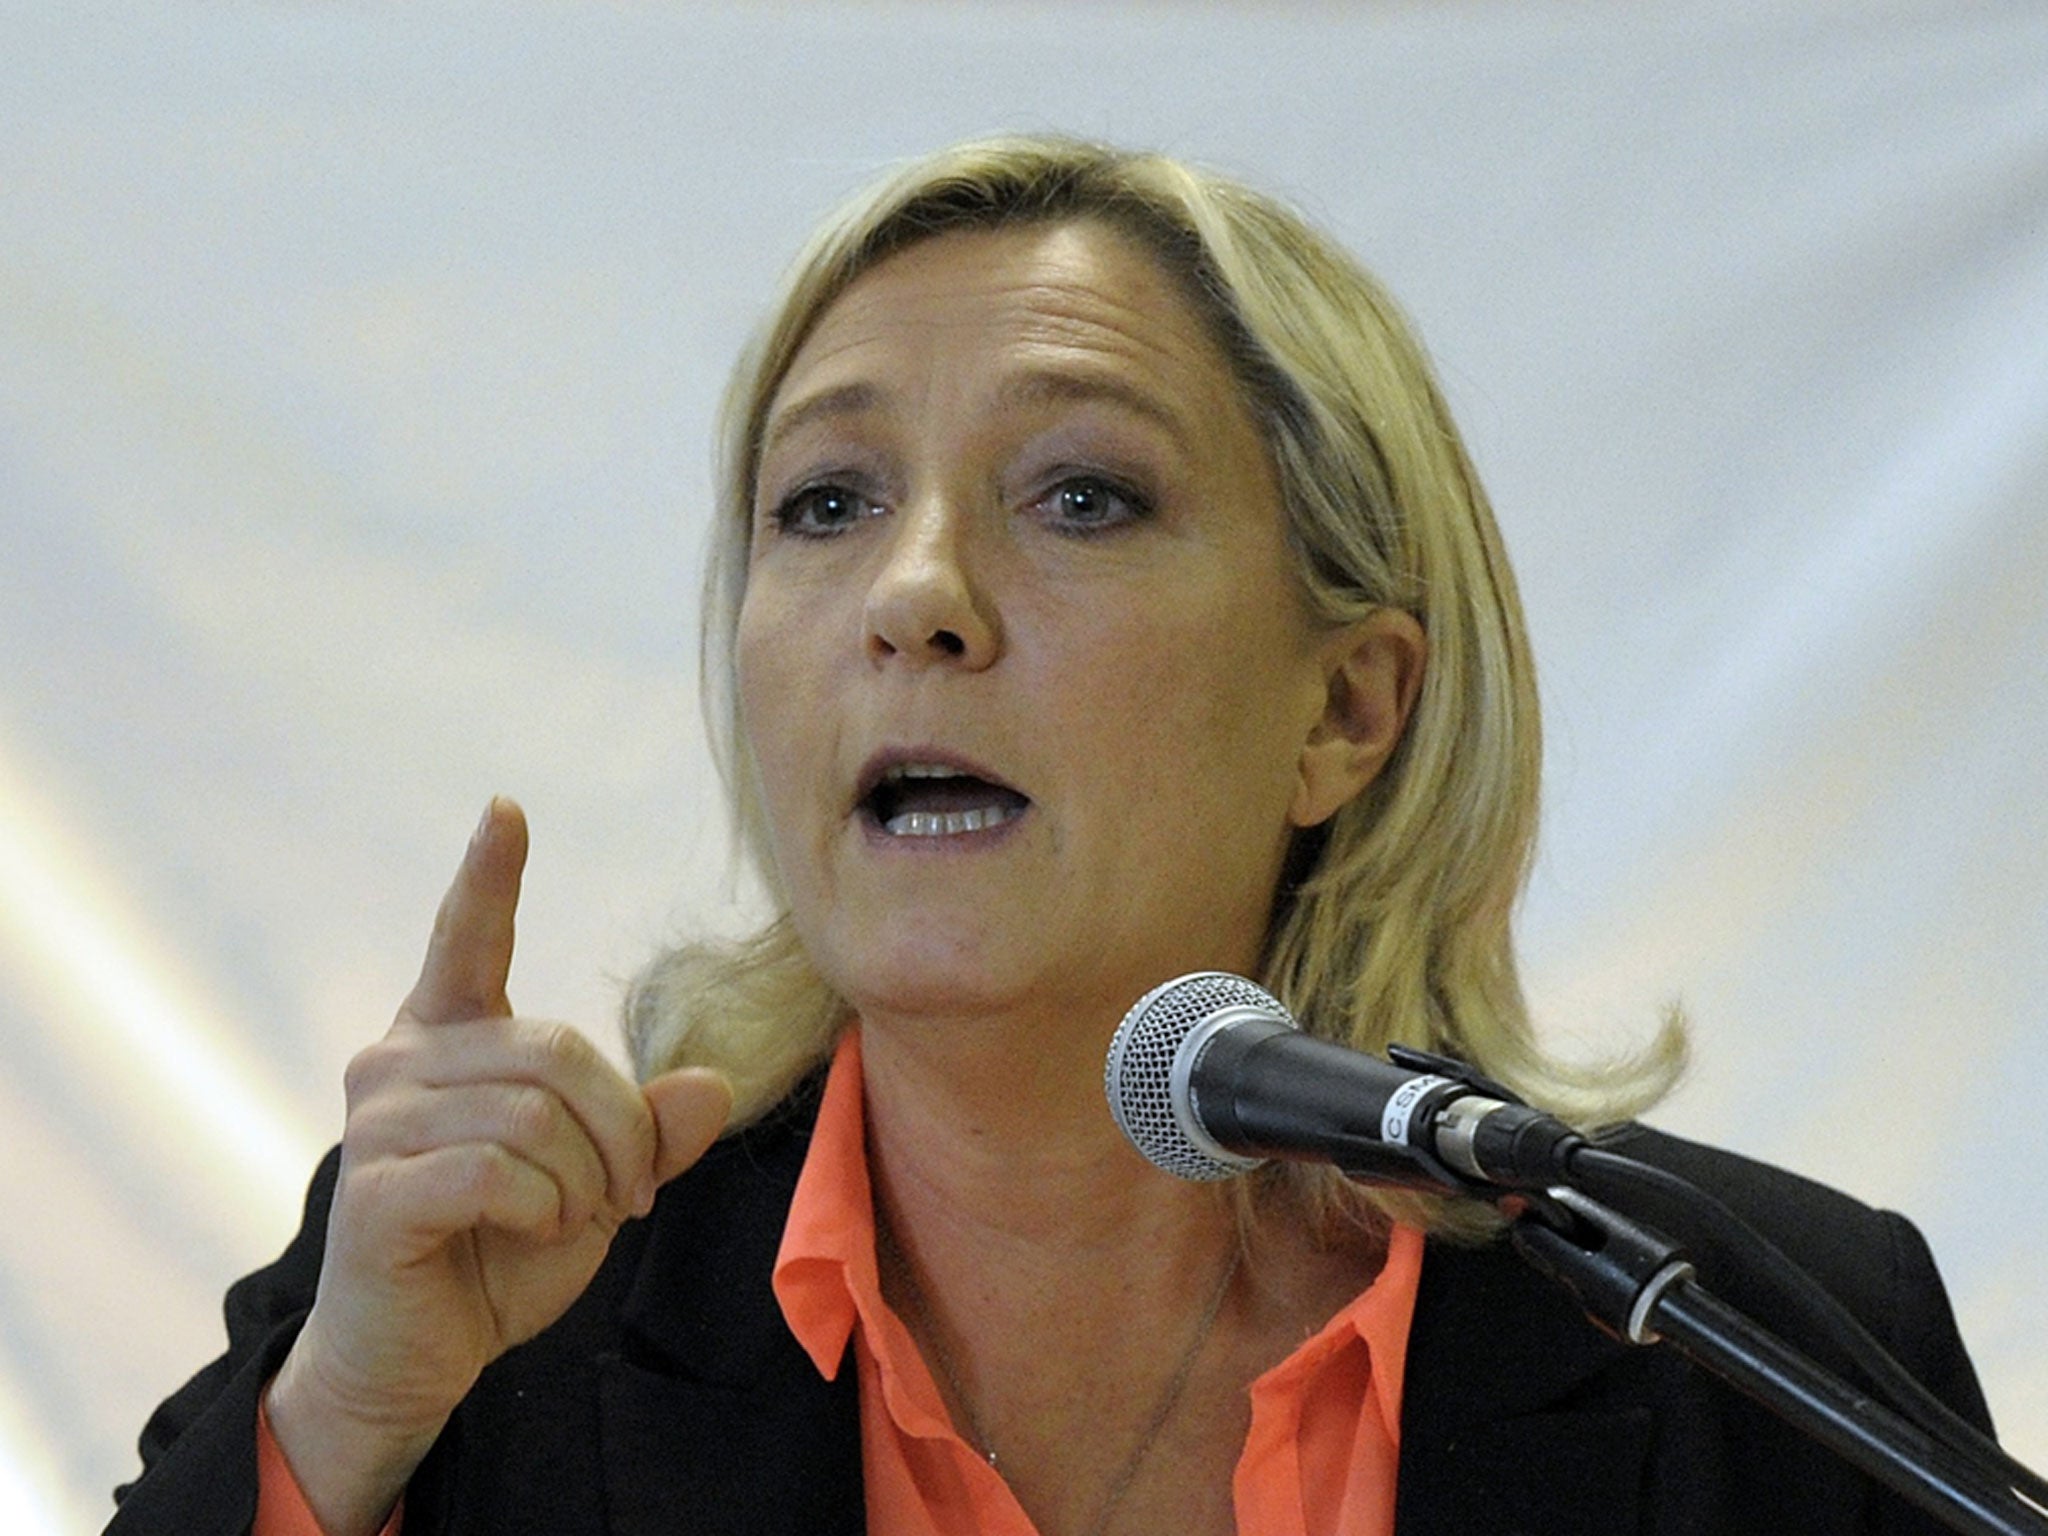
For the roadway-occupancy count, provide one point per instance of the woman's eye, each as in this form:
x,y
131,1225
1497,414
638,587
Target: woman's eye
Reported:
x,y
1089,504
819,511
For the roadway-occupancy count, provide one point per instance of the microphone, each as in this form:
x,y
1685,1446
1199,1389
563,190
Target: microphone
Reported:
x,y
1209,1076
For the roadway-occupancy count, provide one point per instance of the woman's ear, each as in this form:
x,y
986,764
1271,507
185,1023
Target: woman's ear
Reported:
x,y
1373,670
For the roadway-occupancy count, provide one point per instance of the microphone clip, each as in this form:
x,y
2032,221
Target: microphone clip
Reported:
x,y
1417,1060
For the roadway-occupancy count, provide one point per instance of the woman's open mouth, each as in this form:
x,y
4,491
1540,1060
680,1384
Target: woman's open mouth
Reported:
x,y
923,799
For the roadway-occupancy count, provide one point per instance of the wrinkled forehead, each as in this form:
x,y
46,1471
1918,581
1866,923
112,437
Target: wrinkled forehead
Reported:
x,y
1161,258
1075,310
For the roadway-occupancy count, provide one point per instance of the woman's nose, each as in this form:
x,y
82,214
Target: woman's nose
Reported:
x,y
925,604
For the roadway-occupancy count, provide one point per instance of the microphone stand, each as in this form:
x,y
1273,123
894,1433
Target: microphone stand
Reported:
x,y
1636,1285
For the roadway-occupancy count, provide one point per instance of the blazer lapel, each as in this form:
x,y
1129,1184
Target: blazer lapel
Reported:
x,y
713,1421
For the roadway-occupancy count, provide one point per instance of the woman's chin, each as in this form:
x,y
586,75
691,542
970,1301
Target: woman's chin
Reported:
x,y
921,977
926,993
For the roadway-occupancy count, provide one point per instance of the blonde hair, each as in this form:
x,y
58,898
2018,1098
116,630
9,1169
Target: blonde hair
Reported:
x,y
1393,923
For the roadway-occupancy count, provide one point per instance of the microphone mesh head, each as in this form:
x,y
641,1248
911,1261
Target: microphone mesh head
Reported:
x,y
1138,1076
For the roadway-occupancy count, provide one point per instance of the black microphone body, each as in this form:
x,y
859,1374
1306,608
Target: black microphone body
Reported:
x,y
1208,1075
1260,1087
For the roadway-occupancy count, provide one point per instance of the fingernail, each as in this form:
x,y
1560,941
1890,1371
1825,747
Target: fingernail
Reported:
x,y
483,822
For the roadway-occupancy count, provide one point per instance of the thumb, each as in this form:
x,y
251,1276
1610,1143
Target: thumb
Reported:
x,y
690,1107
469,956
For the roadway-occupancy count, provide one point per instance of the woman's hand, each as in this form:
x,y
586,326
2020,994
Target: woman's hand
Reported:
x,y
486,1164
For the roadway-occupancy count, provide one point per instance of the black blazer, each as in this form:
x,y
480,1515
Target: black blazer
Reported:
x,y
672,1399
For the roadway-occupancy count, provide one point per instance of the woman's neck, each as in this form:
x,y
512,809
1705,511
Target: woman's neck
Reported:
x,y
998,1133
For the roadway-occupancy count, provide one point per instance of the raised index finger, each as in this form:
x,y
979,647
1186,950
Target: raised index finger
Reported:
x,y
469,956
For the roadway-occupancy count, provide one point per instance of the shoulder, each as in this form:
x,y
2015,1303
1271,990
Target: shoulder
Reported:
x,y
1827,1224
1875,1262
1514,1402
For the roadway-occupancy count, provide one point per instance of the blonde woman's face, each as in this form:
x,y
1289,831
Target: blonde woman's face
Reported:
x,y
1023,668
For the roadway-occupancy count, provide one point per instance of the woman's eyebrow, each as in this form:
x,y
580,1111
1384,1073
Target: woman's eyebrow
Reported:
x,y
845,400
1022,390
1060,386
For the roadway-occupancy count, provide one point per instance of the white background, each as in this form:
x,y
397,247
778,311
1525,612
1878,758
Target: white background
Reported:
x,y
356,367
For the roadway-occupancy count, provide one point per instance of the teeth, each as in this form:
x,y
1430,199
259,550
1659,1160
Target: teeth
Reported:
x,y
919,771
947,823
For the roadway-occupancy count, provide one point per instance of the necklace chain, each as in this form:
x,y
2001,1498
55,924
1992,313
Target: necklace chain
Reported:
x,y
893,1256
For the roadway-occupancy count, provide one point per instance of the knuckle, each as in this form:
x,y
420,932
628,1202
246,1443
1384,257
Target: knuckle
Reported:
x,y
483,1176
367,1070
531,1115
559,1048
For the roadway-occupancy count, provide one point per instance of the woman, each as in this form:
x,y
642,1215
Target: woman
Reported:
x,y
1104,594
